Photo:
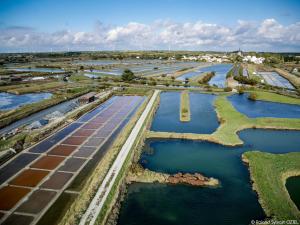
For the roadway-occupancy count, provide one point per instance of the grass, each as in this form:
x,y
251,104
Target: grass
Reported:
x,y
9,143
232,121
33,87
185,113
269,173
134,91
273,97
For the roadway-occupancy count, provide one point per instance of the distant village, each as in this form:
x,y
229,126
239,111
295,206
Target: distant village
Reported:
x,y
224,58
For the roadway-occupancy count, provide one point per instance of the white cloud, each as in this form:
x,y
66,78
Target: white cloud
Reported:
x,y
267,35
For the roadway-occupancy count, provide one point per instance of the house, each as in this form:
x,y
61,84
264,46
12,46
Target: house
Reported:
x,y
87,98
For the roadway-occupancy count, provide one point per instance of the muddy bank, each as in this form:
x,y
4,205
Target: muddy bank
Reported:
x,y
139,174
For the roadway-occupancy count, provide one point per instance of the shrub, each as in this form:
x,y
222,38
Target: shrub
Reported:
x,y
228,89
128,75
252,96
245,80
241,90
153,83
184,110
207,77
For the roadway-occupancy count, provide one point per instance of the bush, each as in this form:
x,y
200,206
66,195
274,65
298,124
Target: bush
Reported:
x,y
207,77
153,83
228,89
184,110
252,96
241,90
245,80
128,75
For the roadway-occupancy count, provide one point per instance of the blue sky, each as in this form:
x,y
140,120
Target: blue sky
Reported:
x,y
36,18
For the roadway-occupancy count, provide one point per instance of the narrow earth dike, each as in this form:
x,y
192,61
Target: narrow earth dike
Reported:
x,y
139,174
185,113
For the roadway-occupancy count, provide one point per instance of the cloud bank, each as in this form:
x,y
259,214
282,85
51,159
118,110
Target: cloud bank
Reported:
x,y
267,35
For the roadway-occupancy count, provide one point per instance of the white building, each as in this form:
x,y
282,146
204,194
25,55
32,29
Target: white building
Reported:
x,y
253,59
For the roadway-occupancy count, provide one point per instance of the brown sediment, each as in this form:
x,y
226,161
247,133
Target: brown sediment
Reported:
x,y
29,178
139,174
57,180
48,162
63,150
37,201
92,125
74,140
72,164
9,196
18,219
85,151
195,179
83,132
94,142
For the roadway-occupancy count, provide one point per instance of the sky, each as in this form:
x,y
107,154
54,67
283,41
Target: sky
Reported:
x,y
218,25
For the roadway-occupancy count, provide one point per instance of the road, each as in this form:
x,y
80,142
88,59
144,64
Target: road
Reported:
x,y
98,201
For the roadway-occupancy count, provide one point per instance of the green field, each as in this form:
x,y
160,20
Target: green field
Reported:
x,y
269,173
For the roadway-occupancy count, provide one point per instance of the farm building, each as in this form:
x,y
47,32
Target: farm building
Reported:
x,y
87,98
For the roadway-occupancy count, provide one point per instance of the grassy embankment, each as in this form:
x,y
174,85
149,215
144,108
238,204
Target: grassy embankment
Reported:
x,y
269,173
232,121
33,87
251,70
201,79
185,113
94,180
274,97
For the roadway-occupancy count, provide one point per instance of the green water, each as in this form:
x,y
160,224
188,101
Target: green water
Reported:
x,y
233,203
293,187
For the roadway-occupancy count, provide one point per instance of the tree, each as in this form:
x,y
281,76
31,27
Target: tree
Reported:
x,y
241,90
252,96
228,89
128,75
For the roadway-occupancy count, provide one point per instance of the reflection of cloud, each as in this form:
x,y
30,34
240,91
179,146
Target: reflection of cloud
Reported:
x,y
5,102
269,34
11,101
